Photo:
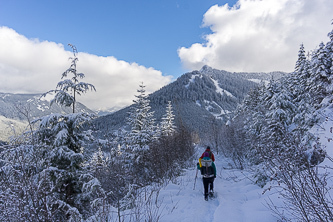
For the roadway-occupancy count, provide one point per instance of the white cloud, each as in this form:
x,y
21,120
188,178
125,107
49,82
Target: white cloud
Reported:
x,y
31,66
260,35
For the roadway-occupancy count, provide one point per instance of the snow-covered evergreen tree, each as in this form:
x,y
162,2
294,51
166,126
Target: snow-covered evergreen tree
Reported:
x,y
319,79
252,111
67,90
279,116
167,127
329,49
299,79
142,123
70,192
299,66
98,159
143,131
64,130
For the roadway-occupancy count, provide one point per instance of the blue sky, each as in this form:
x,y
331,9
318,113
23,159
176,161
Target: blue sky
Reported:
x,y
124,43
147,32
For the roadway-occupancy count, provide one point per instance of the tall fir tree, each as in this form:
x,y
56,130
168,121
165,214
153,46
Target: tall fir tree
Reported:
x,y
68,89
298,80
75,191
299,84
167,127
319,79
252,111
294,84
142,123
53,182
279,116
143,132
329,49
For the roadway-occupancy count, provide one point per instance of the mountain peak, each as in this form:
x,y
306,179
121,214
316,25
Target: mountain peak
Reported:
x,y
206,68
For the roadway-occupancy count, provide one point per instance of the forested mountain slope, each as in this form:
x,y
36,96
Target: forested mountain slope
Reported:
x,y
199,99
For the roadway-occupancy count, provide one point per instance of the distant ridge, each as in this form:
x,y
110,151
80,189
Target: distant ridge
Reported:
x,y
39,106
11,104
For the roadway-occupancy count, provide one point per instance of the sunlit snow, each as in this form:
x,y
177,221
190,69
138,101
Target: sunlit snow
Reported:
x,y
220,90
192,80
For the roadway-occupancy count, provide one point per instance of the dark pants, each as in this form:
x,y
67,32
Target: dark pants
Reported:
x,y
208,182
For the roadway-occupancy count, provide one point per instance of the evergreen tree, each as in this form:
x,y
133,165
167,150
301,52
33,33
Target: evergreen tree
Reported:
x,y
67,90
280,113
98,159
64,130
167,125
75,193
142,133
252,112
299,66
329,49
319,79
47,179
142,121
299,79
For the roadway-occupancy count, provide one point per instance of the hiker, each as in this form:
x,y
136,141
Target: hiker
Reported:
x,y
208,172
211,155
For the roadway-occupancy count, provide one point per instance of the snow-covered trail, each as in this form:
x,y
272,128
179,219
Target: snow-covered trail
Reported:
x,y
237,199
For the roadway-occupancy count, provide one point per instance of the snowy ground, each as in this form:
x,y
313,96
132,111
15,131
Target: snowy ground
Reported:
x,y
237,199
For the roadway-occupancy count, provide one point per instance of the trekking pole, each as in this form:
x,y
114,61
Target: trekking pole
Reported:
x,y
195,179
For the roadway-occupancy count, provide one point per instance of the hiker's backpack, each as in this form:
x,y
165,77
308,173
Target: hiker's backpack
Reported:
x,y
209,154
206,167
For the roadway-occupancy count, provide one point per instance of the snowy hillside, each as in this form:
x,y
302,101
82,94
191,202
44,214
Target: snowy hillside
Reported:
x,y
10,127
12,107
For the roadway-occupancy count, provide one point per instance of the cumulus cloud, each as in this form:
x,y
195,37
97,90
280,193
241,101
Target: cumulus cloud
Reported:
x,y
33,66
259,35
